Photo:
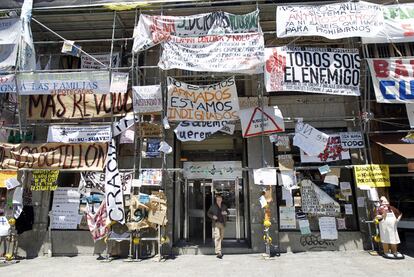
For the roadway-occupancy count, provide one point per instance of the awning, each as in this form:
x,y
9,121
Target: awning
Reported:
x,y
394,143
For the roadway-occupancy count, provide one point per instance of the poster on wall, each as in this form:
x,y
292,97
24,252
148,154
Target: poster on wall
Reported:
x,y
316,201
333,21
287,217
65,209
372,175
265,176
333,71
327,227
214,102
152,147
352,140
44,180
217,170
79,134
68,83
393,79
154,29
68,156
197,130
147,99
243,53
333,152
119,82
257,121
309,139
89,63
398,25
77,106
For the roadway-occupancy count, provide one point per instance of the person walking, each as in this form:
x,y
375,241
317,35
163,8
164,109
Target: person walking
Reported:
x,y
218,213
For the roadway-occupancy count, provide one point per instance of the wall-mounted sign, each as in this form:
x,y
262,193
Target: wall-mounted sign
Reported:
x,y
216,170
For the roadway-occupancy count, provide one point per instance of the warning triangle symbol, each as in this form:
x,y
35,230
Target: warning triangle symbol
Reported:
x,y
272,127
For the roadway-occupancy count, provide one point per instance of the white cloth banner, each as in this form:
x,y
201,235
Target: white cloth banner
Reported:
x,y
78,134
257,121
214,102
237,53
333,21
89,63
197,130
90,82
317,70
393,79
265,176
113,188
94,182
147,99
7,83
123,124
10,31
398,25
153,29
119,82
309,139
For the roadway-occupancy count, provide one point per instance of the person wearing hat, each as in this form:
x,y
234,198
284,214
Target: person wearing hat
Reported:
x,y
218,213
388,217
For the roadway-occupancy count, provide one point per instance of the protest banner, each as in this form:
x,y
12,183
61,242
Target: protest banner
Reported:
x,y
94,182
216,170
89,82
113,188
393,79
242,53
257,121
44,180
7,83
333,152
215,102
317,70
309,139
197,130
372,175
252,102
265,176
5,175
147,99
69,156
89,63
119,82
333,21
10,31
398,25
65,209
316,201
152,148
79,134
77,106
352,140
154,29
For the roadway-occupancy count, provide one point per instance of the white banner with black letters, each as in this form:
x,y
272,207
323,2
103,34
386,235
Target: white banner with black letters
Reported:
x,y
317,70
147,99
333,21
10,31
74,134
197,130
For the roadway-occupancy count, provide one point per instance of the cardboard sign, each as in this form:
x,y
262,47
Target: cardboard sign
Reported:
x,y
398,25
287,217
258,121
147,99
10,31
327,227
197,130
79,134
333,21
78,106
65,209
352,140
69,156
393,79
215,102
309,139
265,176
243,53
113,189
89,63
88,82
44,180
5,175
7,83
152,30
372,175
228,170
333,152
330,71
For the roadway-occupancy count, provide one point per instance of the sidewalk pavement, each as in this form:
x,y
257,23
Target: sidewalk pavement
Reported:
x,y
320,264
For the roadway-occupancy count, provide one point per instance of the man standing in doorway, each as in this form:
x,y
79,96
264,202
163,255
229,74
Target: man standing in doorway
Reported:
x,y
218,213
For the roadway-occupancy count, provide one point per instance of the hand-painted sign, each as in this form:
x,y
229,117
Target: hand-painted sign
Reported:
x,y
44,180
57,107
89,82
197,130
333,21
372,175
332,152
352,140
113,188
398,25
153,29
393,79
330,71
147,99
309,139
75,156
215,102
257,121
79,134
228,170
242,53
10,31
